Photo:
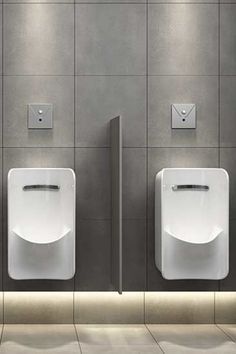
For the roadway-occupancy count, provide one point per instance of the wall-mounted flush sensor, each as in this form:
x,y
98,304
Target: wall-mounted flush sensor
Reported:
x,y
40,116
183,116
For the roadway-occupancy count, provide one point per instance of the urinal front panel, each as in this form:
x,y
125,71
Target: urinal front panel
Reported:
x,y
41,223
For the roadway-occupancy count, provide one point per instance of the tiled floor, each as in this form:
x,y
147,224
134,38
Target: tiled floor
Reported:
x,y
118,339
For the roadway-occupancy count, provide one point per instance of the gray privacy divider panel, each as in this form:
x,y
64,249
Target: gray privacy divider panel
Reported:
x,y
116,175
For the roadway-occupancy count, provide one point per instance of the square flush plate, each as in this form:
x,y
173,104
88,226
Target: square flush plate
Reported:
x,y
183,116
40,116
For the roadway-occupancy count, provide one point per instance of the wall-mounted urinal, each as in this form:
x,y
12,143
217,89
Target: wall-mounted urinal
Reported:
x,y
191,223
41,223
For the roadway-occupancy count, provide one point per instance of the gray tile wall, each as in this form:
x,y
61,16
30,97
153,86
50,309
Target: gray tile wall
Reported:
x,y
95,60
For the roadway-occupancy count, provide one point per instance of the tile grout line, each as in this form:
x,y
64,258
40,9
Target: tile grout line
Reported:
x,y
158,344
75,275
1,336
77,336
228,335
146,199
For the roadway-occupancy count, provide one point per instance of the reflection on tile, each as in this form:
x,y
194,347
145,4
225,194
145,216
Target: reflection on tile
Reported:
x,y
227,39
124,349
183,39
58,339
101,98
93,255
38,307
19,91
109,307
110,39
192,339
114,335
164,91
134,183
179,307
225,307
93,183
38,39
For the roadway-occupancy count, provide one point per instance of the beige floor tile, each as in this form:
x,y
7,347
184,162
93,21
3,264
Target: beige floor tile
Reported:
x,y
128,349
192,339
229,329
39,338
114,335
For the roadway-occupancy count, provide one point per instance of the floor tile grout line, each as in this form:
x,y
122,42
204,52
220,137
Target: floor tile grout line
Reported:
x,y
77,336
1,336
228,335
158,344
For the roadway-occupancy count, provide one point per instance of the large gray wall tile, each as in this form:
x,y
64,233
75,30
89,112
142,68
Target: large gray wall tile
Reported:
x,y
227,39
93,255
166,90
32,157
179,307
38,39
19,91
101,98
109,307
228,162
93,183
134,254
229,282
134,183
38,307
159,158
227,111
183,39
110,39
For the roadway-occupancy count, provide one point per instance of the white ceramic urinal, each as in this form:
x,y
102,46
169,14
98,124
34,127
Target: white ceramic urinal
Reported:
x,y
41,223
191,223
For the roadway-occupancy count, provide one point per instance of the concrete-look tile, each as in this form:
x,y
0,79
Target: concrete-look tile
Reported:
x,y
93,265
225,307
227,39
1,113
183,39
134,183
109,307
93,183
110,39
37,1
101,98
114,334
124,349
1,309
155,281
229,284
134,254
192,339
1,48
228,162
38,307
58,339
19,91
38,39
179,307
159,158
166,90
227,111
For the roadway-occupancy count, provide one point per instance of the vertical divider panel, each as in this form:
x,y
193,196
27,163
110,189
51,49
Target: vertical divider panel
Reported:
x,y
116,186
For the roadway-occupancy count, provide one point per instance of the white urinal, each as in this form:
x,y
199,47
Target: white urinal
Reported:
x,y
191,223
41,223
